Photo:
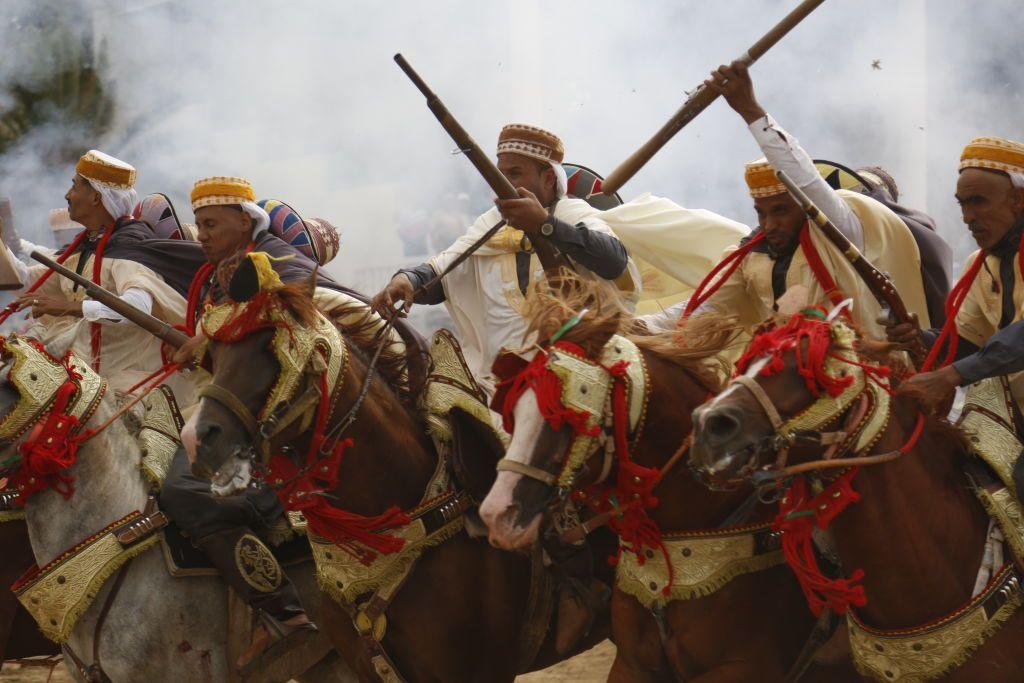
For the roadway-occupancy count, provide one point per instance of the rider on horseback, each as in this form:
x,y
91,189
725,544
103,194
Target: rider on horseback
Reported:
x,y
230,225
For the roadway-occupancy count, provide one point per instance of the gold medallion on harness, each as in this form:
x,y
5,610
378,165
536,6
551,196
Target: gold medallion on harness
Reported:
x,y
377,627
257,564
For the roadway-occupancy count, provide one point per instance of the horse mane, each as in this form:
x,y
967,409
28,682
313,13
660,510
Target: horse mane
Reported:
x,y
359,323
695,345
297,300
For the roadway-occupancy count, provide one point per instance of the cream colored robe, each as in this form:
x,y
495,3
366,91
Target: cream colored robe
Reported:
x,y
128,353
676,247
888,244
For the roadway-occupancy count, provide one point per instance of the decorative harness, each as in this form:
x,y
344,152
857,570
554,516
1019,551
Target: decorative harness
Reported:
x,y
844,385
609,399
377,553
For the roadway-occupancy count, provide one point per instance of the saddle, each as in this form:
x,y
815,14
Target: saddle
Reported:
x,y
455,409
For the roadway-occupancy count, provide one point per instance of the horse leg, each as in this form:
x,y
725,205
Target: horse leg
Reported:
x,y
639,657
19,636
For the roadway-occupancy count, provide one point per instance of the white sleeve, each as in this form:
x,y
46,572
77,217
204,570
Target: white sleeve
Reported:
x,y
11,260
785,154
94,311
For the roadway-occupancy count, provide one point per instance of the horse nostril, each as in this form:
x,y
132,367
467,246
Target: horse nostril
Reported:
x,y
205,430
721,426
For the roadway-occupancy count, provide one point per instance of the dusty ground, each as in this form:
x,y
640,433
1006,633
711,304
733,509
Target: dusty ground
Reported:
x,y
589,667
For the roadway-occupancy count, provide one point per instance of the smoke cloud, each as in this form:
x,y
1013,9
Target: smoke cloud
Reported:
x,y
303,99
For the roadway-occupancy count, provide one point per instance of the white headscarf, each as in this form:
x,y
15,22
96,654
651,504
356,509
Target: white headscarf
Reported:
x,y
118,203
561,180
260,218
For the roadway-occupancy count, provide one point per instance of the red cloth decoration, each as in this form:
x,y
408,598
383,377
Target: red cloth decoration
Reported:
x,y
52,445
303,489
811,365
547,387
798,516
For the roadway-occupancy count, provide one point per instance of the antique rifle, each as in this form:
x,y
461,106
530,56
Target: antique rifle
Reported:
x,y
158,328
550,258
698,101
878,283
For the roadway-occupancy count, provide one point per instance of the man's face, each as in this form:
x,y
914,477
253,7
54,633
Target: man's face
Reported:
x,y
82,199
781,219
223,230
990,204
535,176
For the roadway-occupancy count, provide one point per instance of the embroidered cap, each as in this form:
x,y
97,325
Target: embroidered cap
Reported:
x,y
993,153
761,179
530,141
221,191
106,170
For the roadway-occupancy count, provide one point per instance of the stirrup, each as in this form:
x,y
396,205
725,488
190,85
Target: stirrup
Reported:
x,y
282,640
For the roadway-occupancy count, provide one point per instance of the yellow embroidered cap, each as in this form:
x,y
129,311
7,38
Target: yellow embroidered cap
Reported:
x,y
530,141
106,170
761,179
993,153
221,191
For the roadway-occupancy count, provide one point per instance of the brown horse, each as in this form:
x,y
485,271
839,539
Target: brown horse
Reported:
x,y
918,532
752,627
19,635
463,604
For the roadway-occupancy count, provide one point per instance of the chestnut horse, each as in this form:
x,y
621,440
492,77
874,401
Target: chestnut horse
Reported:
x,y
19,635
917,531
753,627
463,604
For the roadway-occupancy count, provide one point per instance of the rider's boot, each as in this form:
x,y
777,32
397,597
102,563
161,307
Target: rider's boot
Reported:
x,y
253,572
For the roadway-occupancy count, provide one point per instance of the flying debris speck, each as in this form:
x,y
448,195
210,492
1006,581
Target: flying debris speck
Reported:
x,y
876,64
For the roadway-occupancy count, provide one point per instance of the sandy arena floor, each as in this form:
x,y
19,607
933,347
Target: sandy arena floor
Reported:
x,y
589,667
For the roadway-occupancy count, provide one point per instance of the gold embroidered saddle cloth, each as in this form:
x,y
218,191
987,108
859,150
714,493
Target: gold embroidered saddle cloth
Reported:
x,y
466,432
991,423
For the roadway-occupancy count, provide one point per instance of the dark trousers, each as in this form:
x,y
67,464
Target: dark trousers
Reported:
x,y
227,529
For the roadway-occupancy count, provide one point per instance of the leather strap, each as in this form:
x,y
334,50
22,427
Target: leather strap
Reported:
x,y
232,403
751,385
506,465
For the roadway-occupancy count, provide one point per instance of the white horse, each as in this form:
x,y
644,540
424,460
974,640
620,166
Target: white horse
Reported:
x,y
158,628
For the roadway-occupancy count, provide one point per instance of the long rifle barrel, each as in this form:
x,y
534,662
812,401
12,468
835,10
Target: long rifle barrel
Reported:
x,y
699,100
550,258
149,323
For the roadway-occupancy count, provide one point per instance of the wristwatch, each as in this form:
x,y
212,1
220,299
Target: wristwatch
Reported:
x,y
548,228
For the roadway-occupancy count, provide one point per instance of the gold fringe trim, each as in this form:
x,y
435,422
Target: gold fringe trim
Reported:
x,y
938,651
52,594
702,565
344,578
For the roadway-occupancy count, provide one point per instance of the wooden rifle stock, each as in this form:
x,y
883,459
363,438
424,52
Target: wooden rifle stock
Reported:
x,y
699,100
551,259
156,327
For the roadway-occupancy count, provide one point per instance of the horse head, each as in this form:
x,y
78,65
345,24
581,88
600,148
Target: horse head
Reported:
x,y
554,405
796,380
274,357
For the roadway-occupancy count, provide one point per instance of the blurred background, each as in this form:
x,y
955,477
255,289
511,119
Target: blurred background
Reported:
x,y
303,99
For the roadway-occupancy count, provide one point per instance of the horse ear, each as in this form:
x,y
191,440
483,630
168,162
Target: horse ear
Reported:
x,y
245,283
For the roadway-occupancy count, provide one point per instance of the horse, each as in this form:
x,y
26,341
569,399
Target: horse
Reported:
x,y
723,626
19,637
808,408
454,614
143,624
